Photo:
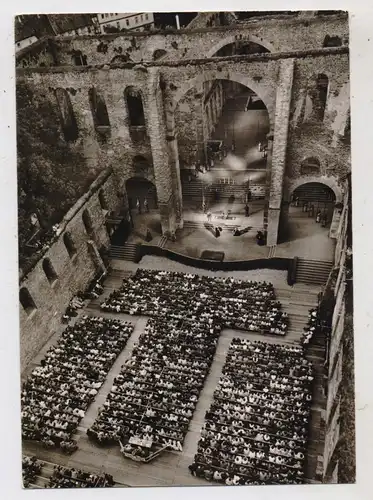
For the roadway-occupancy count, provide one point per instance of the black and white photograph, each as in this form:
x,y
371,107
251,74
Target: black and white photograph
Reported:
x,y
185,249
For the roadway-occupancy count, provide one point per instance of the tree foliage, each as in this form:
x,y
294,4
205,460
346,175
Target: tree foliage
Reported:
x,y
51,172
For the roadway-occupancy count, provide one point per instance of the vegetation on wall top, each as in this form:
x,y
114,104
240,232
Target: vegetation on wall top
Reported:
x,y
50,173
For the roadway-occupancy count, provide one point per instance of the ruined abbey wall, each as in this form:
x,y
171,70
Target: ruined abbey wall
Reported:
x,y
296,134
73,271
277,34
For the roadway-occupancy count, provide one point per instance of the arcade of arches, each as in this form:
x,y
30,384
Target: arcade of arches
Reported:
x,y
224,145
225,137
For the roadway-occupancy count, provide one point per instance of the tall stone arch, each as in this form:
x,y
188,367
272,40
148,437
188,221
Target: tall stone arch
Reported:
x,y
331,182
233,38
245,80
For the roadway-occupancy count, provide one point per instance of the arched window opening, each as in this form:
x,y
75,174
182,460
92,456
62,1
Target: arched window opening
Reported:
x,y
332,41
322,85
240,48
102,200
135,107
310,166
99,110
67,117
27,301
49,271
79,59
69,244
87,221
121,58
141,166
158,54
141,189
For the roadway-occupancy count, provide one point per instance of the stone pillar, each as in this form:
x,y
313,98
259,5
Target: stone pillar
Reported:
x,y
96,257
161,130
201,124
283,99
87,135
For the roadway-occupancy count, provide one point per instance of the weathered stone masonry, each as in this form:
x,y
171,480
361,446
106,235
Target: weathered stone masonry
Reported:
x,y
74,272
163,85
278,34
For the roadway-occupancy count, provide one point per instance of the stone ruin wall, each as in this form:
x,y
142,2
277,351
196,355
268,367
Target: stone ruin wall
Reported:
x,y
74,273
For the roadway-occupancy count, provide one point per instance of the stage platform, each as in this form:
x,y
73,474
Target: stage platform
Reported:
x,y
307,239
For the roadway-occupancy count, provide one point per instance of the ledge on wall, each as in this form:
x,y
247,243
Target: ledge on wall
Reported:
x,y
93,188
265,57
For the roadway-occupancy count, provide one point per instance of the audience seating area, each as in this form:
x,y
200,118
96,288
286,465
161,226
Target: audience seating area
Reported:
x,y
318,327
255,431
154,396
57,394
246,305
62,477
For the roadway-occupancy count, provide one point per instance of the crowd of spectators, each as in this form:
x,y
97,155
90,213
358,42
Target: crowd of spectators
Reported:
x,y
30,469
58,392
246,305
62,477
93,291
255,431
154,396
318,326
312,325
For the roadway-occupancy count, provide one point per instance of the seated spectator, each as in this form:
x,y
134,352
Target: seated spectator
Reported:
x,y
255,431
57,394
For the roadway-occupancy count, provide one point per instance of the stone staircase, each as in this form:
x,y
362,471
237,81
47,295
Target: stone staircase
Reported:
x,y
297,301
314,272
126,252
112,282
224,224
316,354
314,192
271,252
194,224
162,242
225,187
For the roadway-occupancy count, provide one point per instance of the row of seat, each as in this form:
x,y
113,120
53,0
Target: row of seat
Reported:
x,y
246,305
154,396
62,477
58,392
256,429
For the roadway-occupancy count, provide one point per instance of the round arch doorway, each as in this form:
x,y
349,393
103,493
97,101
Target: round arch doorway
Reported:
x,y
222,129
143,207
314,197
307,220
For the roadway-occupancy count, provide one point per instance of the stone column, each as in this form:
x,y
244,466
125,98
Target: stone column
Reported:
x,y
201,125
283,99
161,131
